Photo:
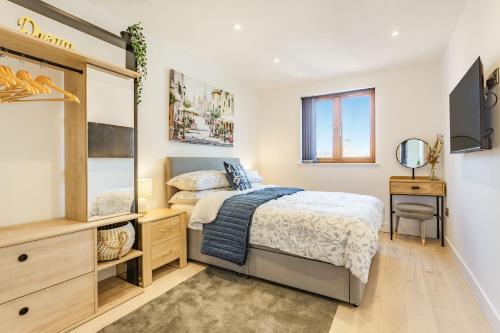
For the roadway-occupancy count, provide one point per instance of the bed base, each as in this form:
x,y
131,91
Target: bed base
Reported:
x,y
293,271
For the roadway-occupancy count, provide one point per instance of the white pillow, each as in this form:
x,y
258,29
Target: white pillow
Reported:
x,y
199,180
191,197
253,176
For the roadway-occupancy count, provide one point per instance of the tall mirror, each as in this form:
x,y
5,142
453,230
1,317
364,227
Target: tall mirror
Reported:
x,y
411,154
110,117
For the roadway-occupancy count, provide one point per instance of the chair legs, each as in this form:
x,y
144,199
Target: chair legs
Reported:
x,y
422,228
397,226
422,231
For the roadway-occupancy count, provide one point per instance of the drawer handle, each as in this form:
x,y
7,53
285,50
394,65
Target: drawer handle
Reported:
x,y
415,187
22,257
24,311
163,230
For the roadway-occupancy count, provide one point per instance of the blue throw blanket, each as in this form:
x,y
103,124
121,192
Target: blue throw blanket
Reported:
x,y
227,237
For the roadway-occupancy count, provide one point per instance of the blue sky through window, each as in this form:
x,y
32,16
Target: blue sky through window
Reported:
x,y
356,127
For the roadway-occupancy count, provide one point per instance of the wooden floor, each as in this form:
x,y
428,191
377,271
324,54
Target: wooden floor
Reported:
x,y
411,289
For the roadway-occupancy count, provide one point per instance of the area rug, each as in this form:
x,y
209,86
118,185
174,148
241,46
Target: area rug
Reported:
x,y
217,300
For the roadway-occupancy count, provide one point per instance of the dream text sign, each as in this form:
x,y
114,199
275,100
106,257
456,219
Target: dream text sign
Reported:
x,y
29,27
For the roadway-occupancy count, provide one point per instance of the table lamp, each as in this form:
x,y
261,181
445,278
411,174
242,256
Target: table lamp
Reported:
x,y
144,190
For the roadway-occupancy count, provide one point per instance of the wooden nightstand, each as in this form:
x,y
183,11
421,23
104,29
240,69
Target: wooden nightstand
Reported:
x,y
163,240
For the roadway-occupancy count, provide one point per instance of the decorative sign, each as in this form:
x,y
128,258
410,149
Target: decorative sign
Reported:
x,y
29,27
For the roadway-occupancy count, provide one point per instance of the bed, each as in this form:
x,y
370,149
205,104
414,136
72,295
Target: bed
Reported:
x,y
267,262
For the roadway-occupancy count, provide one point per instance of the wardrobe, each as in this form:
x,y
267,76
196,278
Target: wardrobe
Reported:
x,y
50,279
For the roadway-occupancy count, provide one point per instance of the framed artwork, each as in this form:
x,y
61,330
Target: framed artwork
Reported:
x,y
199,113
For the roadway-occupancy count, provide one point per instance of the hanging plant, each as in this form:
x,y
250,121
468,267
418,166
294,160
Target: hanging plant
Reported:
x,y
138,41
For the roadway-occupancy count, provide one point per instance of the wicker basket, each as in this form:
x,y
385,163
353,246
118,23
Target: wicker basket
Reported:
x,y
115,243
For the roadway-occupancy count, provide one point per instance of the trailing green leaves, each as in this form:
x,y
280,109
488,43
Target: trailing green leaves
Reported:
x,y
138,41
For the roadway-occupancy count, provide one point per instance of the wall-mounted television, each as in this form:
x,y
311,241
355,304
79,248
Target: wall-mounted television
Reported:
x,y
470,124
110,141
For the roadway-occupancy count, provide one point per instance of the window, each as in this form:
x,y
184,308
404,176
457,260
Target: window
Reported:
x,y
339,128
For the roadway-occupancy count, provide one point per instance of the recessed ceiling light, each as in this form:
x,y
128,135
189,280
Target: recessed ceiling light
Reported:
x,y
237,27
395,33
276,60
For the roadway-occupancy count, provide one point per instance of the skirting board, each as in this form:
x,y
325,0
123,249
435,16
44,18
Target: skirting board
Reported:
x,y
488,309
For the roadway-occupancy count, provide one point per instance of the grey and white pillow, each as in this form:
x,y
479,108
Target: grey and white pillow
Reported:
x,y
199,180
236,176
192,197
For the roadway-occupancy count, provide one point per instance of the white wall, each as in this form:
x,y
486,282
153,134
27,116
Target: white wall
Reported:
x,y
474,179
407,105
31,156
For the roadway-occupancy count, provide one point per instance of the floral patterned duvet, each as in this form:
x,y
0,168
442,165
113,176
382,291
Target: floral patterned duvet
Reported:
x,y
338,228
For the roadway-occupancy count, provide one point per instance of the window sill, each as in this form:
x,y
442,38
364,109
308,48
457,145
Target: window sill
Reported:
x,y
339,163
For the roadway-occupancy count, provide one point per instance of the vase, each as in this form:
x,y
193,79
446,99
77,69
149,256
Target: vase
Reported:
x,y
433,172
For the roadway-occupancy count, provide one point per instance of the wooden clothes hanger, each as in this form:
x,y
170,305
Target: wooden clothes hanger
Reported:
x,y
17,88
42,84
26,76
18,82
22,85
44,80
6,80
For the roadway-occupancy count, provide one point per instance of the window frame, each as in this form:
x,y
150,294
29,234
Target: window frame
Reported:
x,y
337,127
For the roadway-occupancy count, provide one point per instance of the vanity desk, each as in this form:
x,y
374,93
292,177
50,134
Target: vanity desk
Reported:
x,y
420,186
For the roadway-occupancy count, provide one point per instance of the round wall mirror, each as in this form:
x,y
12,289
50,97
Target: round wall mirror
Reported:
x,y
411,153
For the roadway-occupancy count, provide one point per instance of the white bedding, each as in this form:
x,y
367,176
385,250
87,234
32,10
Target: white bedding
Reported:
x,y
338,228
185,208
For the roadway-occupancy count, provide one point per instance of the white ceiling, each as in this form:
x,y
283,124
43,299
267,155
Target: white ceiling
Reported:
x,y
314,39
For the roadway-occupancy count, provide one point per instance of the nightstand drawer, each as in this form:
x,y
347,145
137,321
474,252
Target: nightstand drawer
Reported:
x,y
417,188
51,309
32,266
165,252
165,230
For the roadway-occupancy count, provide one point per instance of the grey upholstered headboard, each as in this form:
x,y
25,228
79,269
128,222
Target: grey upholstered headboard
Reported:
x,y
178,165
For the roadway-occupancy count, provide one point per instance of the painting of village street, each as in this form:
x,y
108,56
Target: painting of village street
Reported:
x,y
199,113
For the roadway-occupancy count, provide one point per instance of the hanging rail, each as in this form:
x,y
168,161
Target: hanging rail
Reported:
x,y
43,61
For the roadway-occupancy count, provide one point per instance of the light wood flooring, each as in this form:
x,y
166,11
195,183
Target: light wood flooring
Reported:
x,y
411,289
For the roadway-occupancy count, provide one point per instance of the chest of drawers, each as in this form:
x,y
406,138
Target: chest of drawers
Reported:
x,y
48,284
49,275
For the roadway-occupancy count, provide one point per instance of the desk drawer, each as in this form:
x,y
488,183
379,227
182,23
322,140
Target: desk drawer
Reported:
x,y
51,309
165,252
29,267
417,188
164,230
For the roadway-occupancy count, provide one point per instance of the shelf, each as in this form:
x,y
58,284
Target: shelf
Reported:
x,y
114,291
20,42
27,232
114,219
110,263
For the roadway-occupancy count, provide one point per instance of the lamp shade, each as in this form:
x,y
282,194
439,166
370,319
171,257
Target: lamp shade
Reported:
x,y
144,188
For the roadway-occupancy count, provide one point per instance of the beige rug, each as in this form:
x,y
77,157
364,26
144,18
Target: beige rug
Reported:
x,y
216,300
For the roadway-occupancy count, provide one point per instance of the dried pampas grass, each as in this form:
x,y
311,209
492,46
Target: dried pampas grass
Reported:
x,y
434,153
